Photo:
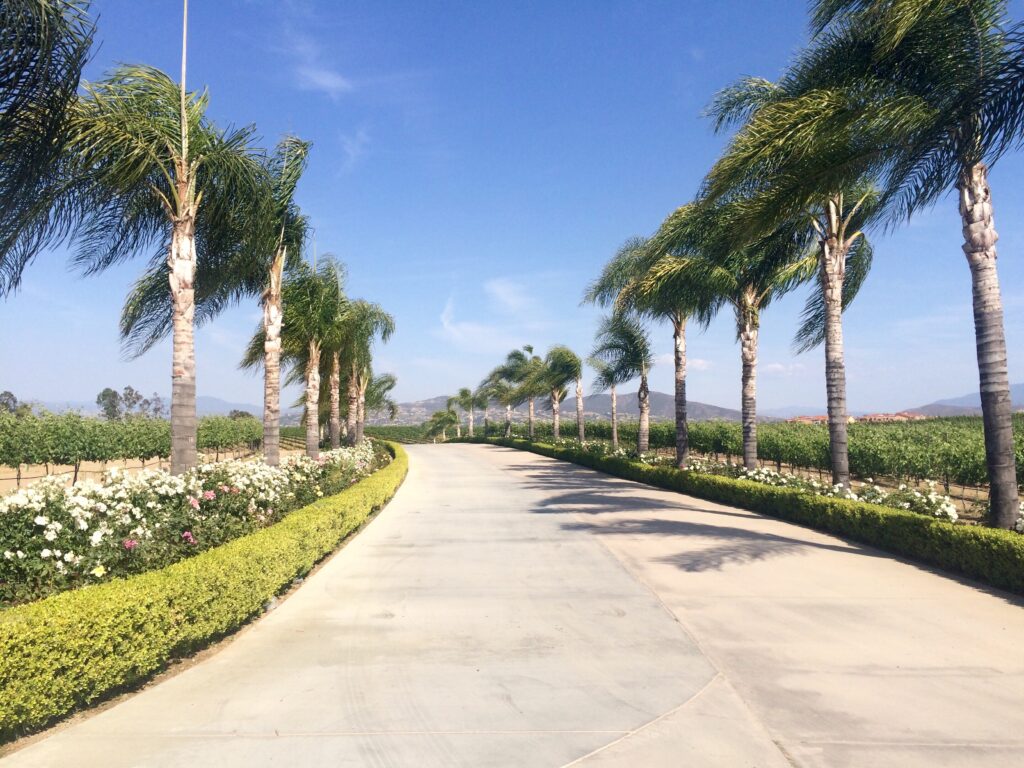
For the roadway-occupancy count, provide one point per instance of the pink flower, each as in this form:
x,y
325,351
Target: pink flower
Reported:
x,y
209,495
194,502
188,537
225,489
234,489
130,544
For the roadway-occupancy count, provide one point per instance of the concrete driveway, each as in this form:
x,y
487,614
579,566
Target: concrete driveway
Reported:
x,y
509,610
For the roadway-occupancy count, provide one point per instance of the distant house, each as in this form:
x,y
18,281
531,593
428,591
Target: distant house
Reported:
x,y
816,420
891,417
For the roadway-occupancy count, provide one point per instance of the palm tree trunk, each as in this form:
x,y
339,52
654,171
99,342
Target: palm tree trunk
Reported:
x,y
471,421
508,421
361,412
615,420
679,359
748,352
313,401
531,418
579,409
996,407
833,270
272,316
555,416
643,396
182,263
353,405
335,387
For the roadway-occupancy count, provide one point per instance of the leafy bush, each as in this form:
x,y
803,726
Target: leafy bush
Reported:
x,y
72,649
54,538
399,433
990,555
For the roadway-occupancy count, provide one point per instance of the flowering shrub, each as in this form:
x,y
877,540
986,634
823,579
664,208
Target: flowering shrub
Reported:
x,y
55,538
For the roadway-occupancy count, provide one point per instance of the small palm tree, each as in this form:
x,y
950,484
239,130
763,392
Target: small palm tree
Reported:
x,y
622,343
497,388
468,401
524,371
45,44
561,368
378,395
606,379
440,422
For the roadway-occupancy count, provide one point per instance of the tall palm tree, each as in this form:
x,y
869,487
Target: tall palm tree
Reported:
x,y
315,311
934,92
451,405
365,323
45,44
780,170
606,379
615,288
467,401
285,167
561,367
149,166
252,251
480,401
623,344
726,272
499,389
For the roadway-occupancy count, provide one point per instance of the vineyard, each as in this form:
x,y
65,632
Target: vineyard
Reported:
x,y
949,450
70,439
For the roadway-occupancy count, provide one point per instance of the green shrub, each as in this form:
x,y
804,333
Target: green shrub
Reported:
x,y
990,555
72,649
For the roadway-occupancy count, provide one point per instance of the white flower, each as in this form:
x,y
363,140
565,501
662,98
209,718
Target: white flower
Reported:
x,y
41,520
8,555
45,554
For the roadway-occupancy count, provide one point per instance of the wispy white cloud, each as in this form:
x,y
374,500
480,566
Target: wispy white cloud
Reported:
x,y
471,336
354,146
783,369
311,69
509,295
692,363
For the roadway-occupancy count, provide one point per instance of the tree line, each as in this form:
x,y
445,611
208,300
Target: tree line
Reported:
x,y
888,108
132,163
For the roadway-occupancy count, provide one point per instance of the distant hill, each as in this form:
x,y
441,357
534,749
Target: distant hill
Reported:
x,y
595,407
968,405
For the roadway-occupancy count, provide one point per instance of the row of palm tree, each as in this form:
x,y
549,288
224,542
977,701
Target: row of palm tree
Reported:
x,y
891,105
133,163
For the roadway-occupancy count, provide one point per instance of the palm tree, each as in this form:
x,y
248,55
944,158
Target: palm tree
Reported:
x,y
468,401
482,402
524,371
440,422
496,387
623,345
378,395
723,272
452,404
149,166
315,312
934,92
777,170
45,44
606,379
365,323
561,367
616,288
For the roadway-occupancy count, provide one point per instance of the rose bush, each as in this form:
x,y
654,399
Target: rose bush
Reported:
x,y
54,538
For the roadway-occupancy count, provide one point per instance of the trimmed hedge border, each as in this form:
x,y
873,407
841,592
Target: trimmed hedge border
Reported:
x,y
66,651
990,555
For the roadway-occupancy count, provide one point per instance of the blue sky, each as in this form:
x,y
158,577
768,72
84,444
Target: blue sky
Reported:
x,y
475,164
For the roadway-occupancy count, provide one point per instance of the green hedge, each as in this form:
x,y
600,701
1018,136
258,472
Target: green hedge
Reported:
x,y
67,651
990,555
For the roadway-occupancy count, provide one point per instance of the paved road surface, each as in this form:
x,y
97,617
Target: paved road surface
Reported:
x,y
508,610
